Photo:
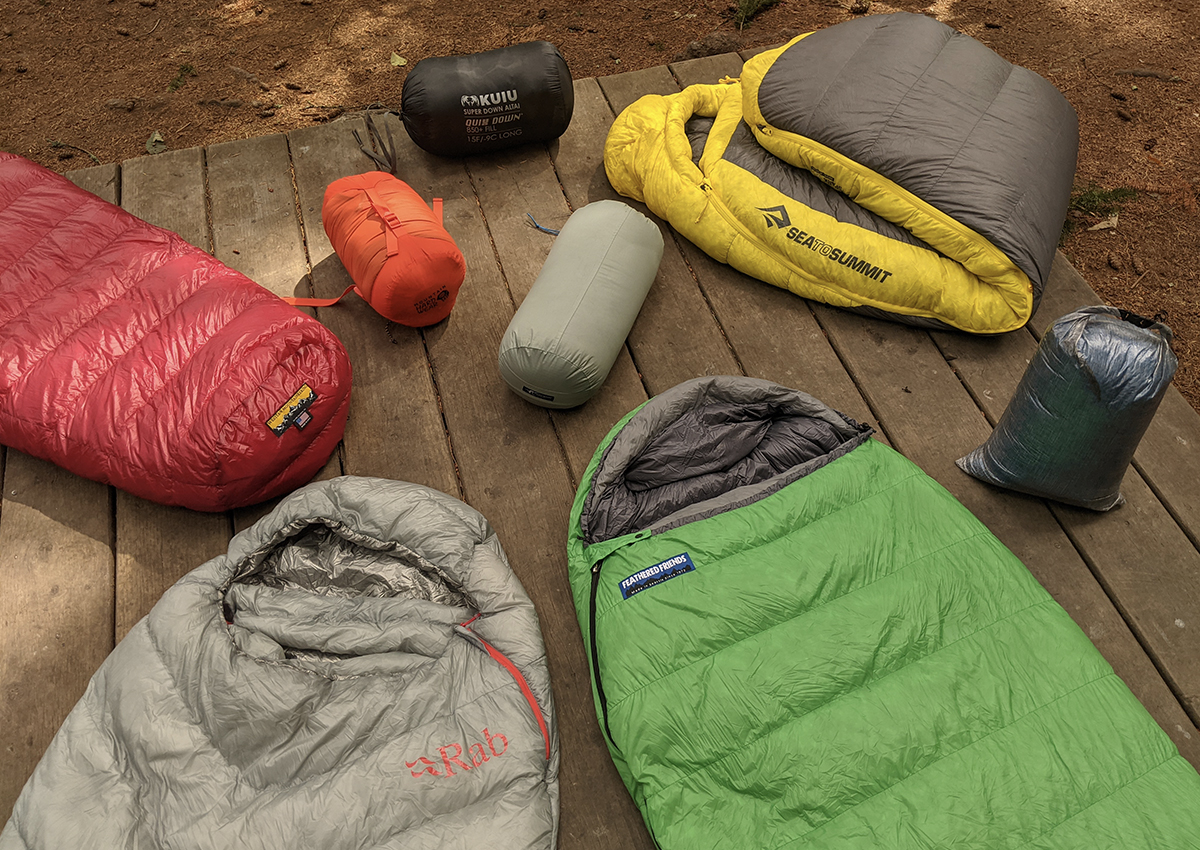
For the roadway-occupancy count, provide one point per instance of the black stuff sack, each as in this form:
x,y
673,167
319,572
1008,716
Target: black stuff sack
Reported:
x,y
1071,428
490,101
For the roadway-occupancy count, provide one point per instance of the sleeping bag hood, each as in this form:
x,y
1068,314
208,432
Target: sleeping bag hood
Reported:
x,y
888,165
798,639
361,670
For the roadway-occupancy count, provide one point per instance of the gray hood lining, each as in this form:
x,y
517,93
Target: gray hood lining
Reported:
x,y
708,446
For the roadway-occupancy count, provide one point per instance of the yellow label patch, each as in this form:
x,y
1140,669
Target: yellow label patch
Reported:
x,y
293,412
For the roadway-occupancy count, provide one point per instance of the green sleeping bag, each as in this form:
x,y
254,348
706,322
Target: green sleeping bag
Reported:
x,y
798,639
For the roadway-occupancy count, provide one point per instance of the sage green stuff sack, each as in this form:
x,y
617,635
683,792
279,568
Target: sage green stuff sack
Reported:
x,y
567,333
800,640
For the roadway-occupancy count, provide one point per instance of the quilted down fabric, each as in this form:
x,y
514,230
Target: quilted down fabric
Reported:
x,y
888,165
130,357
361,670
800,640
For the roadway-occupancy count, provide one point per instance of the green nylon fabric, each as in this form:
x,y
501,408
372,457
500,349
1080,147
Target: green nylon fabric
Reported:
x,y
857,662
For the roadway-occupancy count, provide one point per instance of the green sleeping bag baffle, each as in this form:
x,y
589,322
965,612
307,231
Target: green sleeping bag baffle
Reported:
x,y
799,640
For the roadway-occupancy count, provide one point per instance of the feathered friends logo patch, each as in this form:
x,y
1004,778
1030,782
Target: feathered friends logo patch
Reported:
x,y
657,574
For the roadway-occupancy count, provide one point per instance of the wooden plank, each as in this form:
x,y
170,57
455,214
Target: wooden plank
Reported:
x,y
514,472
623,89
393,382
56,612
1152,572
255,226
1065,291
579,155
706,70
929,416
1168,458
257,231
101,180
751,52
166,190
56,568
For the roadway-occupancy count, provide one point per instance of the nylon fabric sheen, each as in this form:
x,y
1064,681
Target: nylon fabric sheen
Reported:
x,y
852,660
361,671
886,165
132,358
402,260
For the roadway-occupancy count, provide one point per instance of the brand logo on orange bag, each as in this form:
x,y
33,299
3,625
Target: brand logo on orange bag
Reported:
x,y
451,756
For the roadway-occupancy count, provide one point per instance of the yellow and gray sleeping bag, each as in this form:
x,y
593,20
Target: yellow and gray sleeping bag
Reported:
x,y
888,165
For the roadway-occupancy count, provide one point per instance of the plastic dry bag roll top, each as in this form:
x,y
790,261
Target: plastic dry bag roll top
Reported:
x,y
567,333
1071,428
484,102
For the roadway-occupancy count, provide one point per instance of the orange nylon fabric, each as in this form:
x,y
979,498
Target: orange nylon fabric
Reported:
x,y
400,257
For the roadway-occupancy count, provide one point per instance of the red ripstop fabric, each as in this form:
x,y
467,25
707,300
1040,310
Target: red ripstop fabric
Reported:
x,y
400,257
132,358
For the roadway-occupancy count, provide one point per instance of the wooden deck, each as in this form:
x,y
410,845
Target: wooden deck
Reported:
x,y
80,563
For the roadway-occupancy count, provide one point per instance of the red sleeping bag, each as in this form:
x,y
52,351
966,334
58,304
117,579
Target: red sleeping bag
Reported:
x,y
130,357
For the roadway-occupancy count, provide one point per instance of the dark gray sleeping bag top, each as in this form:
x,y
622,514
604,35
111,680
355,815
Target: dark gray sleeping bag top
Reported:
x,y
361,670
985,142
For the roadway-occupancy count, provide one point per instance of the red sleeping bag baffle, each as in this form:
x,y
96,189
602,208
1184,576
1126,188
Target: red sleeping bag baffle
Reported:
x,y
132,358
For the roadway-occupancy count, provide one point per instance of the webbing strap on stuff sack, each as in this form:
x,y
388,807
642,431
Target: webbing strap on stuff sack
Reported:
x,y
393,226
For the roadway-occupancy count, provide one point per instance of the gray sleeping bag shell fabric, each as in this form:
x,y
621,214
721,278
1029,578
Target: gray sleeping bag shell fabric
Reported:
x,y
361,670
990,144
1074,422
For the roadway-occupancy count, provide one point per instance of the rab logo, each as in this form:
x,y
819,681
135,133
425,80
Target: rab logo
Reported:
x,y
453,755
776,216
494,99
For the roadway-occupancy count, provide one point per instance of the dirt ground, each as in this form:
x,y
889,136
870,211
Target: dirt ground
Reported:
x,y
89,82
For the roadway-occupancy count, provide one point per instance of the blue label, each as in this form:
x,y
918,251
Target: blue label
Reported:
x,y
657,574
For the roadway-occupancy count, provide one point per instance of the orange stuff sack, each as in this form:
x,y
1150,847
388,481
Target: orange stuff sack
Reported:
x,y
400,257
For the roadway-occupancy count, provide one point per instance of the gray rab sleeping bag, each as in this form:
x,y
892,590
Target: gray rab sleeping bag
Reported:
x,y
361,670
